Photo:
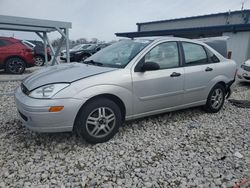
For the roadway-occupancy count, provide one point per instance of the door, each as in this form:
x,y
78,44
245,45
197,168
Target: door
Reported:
x,y
199,69
158,90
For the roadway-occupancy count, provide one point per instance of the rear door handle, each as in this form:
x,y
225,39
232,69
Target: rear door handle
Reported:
x,y
175,74
208,69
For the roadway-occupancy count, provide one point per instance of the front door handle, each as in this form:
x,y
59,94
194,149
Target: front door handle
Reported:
x,y
208,69
175,74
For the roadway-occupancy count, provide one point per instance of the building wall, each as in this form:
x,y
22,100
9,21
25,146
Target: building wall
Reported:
x,y
205,21
239,44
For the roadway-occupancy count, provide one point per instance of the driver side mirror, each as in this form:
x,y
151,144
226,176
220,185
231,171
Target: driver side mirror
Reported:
x,y
150,66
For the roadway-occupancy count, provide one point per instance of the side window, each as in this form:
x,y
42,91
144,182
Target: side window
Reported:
x,y
2,43
194,54
211,57
165,54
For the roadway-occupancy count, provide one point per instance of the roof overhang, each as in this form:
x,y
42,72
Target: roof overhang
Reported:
x,y
30,24
225,14
188,31
24,28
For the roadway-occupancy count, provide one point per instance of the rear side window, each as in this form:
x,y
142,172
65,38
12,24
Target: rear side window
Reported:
x,y
211,57
4,43
194,54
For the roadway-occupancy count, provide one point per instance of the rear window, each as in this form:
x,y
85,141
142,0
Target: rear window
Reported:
x,y
219,46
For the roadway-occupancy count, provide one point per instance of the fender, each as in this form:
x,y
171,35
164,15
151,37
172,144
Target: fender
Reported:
x,y
221,78
122,93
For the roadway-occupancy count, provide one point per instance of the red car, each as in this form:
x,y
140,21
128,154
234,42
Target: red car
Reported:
x,y
15,56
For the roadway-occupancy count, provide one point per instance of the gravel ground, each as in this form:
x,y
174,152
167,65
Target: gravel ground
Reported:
x,y
188,148
8,87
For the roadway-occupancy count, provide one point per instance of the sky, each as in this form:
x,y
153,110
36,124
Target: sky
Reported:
x,y
102,18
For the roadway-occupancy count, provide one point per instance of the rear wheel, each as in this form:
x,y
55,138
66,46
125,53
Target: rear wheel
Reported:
x,y
98,121
15,65
215,99
39,60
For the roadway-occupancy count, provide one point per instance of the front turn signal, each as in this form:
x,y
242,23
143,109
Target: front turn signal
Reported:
x,y
55,108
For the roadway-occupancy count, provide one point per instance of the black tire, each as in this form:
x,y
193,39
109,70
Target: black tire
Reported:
x,y
215,99
98,129
15,65
39,60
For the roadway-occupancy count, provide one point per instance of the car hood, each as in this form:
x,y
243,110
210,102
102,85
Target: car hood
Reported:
x,y
247,63
63,73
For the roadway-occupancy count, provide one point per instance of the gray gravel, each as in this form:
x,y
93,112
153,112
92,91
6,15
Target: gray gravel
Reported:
x,y
181,149
8,86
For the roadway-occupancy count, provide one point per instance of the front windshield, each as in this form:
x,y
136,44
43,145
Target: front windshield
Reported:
x,y
77,47
91,47
86,46
81,46
118,54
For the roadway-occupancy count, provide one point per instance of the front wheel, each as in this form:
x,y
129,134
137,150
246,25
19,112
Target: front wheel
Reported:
x,y
215,99
15,65
98,121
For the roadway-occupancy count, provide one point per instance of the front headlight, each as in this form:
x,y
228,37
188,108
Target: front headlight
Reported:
x,y
47,91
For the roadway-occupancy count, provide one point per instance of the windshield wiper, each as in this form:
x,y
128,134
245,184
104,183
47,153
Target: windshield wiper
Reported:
x,y
93,63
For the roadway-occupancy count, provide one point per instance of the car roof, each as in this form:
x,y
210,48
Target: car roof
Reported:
x,y
170,38
9,38
166,38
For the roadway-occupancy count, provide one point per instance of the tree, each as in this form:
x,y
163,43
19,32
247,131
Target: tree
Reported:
x,y
94,40
55,42
81,41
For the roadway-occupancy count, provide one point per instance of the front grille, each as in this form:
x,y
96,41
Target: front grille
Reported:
x,y
246,77
246,68
24,89
25,118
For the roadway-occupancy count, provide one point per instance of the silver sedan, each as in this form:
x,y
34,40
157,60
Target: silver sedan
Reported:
x,y
127,80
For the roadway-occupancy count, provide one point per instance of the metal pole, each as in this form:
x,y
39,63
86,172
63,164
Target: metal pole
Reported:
x,y
45,48
51,48
57,50
67,44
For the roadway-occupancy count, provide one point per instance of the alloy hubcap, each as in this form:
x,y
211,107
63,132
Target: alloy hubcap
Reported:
x,y
217,98
16,66
39,61
100,122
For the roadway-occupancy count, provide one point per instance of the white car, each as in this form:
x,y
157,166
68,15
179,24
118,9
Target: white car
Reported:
x,y
124,81
243,73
